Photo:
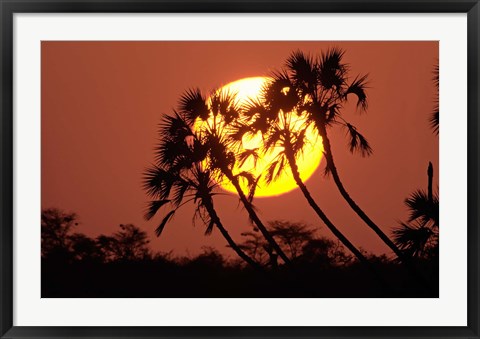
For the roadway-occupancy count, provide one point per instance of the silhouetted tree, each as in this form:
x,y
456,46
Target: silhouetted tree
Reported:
x,y
179,178
128,244
212,119
56,226
318,88
84,248
324,252
273,117
299,241
419,236
292,236
210,258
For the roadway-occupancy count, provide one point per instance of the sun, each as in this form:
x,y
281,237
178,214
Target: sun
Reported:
x,y
248,88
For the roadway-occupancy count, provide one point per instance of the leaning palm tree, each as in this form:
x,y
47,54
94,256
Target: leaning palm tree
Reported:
x,y
211,118
178,178
281,133
318,89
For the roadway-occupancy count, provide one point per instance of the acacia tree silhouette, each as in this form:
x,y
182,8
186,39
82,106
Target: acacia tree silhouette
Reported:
x,y
128,244
178,178
280,131
292,237
56,227
318,88
212,119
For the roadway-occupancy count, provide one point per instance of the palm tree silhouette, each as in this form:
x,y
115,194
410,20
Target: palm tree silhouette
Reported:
x,y
420,234
212,118
178,178
318,88
280,130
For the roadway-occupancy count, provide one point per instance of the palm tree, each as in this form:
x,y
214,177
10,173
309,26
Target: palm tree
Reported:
x,y
212,118
179,178
318,89
420,234
282,133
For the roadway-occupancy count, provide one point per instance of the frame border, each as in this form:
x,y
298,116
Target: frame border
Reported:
x,y
9,7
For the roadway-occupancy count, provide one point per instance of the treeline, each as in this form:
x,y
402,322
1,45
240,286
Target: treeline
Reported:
x,y
123,265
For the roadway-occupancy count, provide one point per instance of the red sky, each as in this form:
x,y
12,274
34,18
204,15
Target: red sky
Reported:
x,y
102,102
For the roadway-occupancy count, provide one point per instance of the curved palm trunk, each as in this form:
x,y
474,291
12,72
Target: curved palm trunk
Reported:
x,y
351,202
230,241
403,258
253,215
296,176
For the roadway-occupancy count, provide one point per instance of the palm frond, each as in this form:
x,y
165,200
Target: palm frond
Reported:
x,y
238,130
174,127
170,151
281,168
358,87
193,104
299,142
153,207
270,172
421,208
209,229
275,169
332,112
357,142
254,107
331,70
253,188
412,239
246,154
435,121
224,103
158,182
159,229
327,171
272,139
247,176
304,71
279,93
178,191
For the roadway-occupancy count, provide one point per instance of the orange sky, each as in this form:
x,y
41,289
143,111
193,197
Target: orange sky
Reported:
x,y
102,101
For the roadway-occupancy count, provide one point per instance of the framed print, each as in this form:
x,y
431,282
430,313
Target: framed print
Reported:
x,y
239,169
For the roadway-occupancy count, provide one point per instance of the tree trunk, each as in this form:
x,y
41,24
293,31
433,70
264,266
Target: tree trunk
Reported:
x,y
296,175
320,213
230,241
256,219
351,203
430,180
401,256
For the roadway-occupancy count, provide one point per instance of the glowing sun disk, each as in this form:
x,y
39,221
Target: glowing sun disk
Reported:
x,y
308,161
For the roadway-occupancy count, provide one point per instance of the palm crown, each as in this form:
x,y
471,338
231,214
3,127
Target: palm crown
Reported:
x,y
318,89
196,137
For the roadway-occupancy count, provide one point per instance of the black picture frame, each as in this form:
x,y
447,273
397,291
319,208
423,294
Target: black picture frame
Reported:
x,y
9,7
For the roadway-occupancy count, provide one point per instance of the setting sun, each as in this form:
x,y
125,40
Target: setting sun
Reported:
x,y
308,162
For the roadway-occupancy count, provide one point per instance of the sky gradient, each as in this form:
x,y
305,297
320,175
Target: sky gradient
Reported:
x,y
102,102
